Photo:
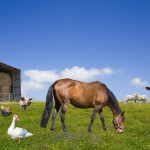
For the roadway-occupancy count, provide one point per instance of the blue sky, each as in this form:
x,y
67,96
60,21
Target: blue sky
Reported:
x,y
86,40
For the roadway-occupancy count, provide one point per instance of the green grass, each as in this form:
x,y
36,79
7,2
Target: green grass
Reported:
x,y
135,137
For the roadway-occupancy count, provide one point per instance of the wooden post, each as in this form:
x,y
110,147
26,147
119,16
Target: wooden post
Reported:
x,y
9,97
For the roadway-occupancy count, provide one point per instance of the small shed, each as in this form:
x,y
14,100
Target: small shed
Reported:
x,y
10,83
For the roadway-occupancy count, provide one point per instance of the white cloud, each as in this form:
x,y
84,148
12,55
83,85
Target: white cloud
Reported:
x,y
31,86
79,73
85,75
38,79
41,76
106,71
138,83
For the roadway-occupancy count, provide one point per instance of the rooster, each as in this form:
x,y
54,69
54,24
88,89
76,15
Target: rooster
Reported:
x,y
7,109
6,113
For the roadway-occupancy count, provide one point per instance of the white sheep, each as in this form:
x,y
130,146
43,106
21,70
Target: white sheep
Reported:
x,y
142,98
131,98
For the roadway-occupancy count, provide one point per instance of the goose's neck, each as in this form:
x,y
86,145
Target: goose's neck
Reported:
x,y
13,124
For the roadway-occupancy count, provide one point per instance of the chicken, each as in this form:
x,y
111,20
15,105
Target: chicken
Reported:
x,y
6,113
7,109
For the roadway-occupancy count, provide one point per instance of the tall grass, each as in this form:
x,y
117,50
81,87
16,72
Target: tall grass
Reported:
x,y
136,135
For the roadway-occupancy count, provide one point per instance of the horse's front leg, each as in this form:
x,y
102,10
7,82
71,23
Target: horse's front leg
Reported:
x,y
64,108
96,110
102,119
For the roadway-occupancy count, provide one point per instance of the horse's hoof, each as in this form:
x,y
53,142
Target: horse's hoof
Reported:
x,y
52,129
89,131
105,129
65,130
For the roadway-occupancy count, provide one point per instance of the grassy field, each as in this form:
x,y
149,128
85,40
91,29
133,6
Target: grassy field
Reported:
x,y
135,137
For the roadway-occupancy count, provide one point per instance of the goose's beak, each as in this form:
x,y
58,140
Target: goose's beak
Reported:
x,y
16,117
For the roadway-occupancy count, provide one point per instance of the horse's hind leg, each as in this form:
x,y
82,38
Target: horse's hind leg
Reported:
x,y
102,119
96,109
64,108
55,111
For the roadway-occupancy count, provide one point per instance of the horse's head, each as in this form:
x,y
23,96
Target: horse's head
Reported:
x,y
119,122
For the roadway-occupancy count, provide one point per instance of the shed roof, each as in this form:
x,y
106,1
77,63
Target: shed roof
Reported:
x,y
8,68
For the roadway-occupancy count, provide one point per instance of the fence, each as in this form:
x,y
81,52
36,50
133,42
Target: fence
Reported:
x,y
9,97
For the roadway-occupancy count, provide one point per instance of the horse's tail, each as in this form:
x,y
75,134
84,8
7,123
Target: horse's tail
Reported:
x,y
48,106
113,99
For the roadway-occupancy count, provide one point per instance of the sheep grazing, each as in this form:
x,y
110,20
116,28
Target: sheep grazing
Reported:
x,y
136,97
131,98
142,98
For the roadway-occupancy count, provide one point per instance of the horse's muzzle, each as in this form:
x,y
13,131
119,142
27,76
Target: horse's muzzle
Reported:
x,y
119,131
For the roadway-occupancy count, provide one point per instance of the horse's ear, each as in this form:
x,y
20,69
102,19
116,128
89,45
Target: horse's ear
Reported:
x,y
122,113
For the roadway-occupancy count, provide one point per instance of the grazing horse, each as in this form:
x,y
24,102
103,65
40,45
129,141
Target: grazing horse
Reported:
x,y
82,95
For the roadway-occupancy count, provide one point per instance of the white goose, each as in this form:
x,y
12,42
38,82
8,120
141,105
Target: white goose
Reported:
x,y
17,133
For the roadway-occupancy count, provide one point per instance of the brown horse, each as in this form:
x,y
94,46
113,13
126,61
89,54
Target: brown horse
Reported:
x,y
82,95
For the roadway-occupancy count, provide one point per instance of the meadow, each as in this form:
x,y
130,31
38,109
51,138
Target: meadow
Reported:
x,y
136,135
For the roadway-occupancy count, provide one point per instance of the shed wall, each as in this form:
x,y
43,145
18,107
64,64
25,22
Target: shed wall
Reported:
x,y
13,92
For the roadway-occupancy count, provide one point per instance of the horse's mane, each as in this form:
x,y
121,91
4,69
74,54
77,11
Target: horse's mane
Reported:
x,y
113,99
